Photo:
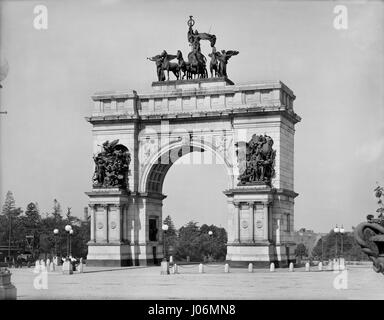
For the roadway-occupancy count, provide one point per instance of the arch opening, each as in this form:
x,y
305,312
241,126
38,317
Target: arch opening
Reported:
x,y
158,165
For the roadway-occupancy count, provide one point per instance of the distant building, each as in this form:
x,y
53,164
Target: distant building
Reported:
x,y
307,237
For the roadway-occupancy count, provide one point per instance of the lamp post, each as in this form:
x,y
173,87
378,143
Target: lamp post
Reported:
x,y
9,238
68,229
164,227
210,233
341,235
341,230
56,233
70,242
337,230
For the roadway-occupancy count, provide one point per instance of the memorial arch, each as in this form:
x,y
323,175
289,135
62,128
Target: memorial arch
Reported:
x,y
138,136
174,119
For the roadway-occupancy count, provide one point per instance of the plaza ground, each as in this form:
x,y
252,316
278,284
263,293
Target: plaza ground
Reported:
x,y
147,283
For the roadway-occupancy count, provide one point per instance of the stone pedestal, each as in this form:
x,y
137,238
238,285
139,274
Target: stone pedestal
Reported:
x,y
7,289
106,246
67,267
254,227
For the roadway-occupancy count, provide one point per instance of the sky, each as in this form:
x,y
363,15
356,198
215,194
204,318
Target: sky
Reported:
x,y
101,45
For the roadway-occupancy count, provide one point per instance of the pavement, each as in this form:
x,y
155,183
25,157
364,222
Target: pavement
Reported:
x,y
357,282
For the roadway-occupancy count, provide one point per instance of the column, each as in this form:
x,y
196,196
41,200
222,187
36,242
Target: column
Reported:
x,y
121,212
106,221
237,222
118,221
93,222
278,240
266,233
252,215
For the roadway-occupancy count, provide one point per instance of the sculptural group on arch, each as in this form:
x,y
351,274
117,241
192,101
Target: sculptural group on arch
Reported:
x,y
256,160
196,64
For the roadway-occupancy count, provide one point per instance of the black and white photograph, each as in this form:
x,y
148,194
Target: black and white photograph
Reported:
x,y
204,151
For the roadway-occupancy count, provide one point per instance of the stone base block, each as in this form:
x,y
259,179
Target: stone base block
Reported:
x,y
119,255
261,256
8,292
67,268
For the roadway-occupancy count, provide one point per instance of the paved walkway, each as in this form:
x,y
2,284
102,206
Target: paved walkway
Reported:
x,y
147,283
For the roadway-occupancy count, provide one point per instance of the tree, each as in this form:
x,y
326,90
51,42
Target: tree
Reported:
x,y
326,247
11,213
215,245
301,251
188,242
379,193
9,204
195,242
57,210
171,236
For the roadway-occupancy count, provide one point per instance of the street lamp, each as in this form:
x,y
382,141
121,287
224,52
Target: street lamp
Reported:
x,y
164,227
68,229
56,233
341,230
338,230
210,233
70,242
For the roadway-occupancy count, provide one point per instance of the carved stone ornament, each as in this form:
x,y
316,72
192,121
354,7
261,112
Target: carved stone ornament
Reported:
x,y
259,224
113,225
256,160
100,225
111,166
244,224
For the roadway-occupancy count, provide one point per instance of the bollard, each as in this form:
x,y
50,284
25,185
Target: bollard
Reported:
x,y
201,268
226,268
291,268
336,266
272,267
67,267
320,266
330,265
51,267
342,264
164,267
81,266
307,267
37,267
171,259
250,267
48,263
176,268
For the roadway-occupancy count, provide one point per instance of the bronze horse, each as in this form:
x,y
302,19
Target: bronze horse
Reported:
x,y
197,66
183,65
170,66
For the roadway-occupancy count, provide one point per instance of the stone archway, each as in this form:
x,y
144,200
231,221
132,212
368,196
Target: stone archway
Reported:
x,y
179,117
